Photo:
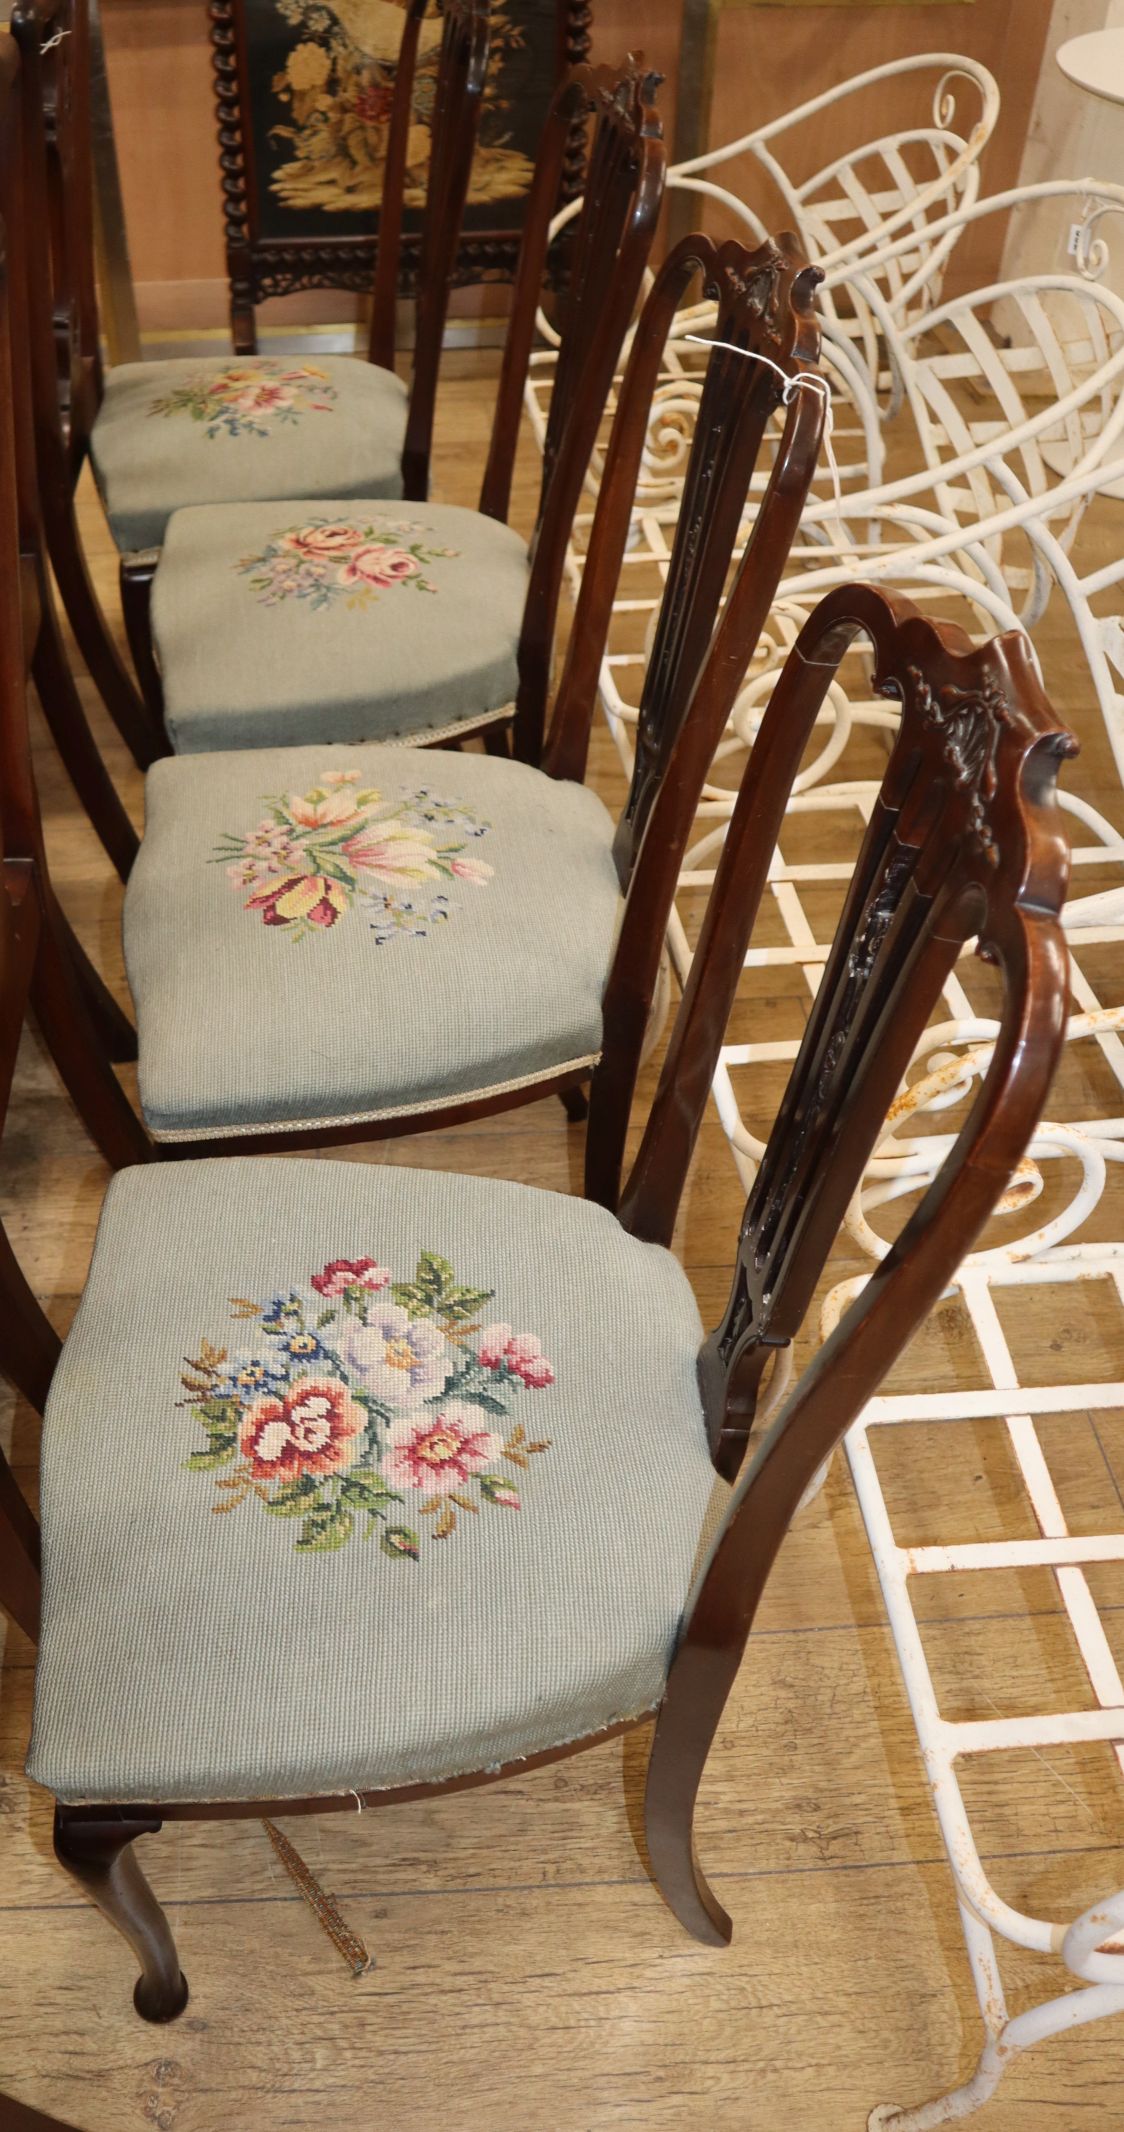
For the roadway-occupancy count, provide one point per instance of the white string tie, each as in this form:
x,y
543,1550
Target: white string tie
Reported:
x,y
51,42
358,1802
810,379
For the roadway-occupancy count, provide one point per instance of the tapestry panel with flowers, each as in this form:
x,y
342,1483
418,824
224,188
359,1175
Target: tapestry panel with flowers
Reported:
x,y
368,1406
316,854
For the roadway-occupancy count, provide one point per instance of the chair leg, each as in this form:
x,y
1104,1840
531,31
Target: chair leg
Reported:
x,y
138,729
575,1103
62,709
98,1855
497,740
135,581
675,1772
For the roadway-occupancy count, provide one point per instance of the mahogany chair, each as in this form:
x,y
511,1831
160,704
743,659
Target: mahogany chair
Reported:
x,y
509,1389
273,623
393,941
200,430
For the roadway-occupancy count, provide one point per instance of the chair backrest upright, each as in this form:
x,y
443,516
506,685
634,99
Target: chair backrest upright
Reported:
x,y
966,840
764,359
54,41
605,264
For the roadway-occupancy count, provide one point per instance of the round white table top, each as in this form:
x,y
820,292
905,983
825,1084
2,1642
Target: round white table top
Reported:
x,y
1096,63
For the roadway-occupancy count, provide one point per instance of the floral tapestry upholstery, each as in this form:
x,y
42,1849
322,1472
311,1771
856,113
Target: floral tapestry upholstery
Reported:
x,y
281,623
202,1642
229,429
317,934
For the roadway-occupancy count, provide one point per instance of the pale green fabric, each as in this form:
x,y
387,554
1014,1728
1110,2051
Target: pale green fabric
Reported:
x,y
186,1655
243,1025
330,425
268,632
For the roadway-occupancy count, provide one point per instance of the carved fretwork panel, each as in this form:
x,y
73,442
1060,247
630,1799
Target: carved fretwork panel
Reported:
x,y
974,760
761,313
621,115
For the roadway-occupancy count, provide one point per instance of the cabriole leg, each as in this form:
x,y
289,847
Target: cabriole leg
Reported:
x,y
99,1855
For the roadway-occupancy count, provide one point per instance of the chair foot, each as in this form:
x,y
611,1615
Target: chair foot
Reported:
x,y
99,1856
575,1103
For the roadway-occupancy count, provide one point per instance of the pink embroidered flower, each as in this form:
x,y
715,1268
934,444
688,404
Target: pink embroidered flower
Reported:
x,y
521,1353
311,897
262,400
312,1429
393,853
439,1449
340,777
471,870
376,565
324,542
319,809
340,1274
492,1345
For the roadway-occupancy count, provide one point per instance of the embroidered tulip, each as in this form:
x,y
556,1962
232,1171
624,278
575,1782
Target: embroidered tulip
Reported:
x,y
392,852
472,870
376,565
312,898
316,1427
342,1274
439,1449
320,809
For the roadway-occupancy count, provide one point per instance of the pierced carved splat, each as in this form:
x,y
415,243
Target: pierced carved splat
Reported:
x,y
764,310
945,827
620,106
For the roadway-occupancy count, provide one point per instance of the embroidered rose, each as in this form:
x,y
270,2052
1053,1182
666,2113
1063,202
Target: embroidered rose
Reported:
x,y
312,1429
324,541
342,562
341,1275
399,1360
519,1353
378,566
248,399
438,1450
374,104
310,899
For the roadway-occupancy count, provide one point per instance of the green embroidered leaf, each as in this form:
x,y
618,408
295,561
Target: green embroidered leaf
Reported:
x,y
206,1461
327,1317
498,1489
293,1498
367,1488
460,1303
326,1530
219,1417
399,1540
482,1399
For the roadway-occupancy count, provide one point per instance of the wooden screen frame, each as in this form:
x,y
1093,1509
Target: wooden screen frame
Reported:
x,y
260,267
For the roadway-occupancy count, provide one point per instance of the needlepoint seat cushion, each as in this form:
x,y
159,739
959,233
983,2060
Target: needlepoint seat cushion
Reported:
x,y
355,1477
340,934
224,430
283,623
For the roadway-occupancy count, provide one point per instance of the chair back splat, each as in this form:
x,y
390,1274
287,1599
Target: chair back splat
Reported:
x,y
461,72
605,269
966,840
766,315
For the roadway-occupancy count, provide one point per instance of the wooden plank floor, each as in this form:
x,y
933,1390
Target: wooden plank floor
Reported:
x,y
528,1978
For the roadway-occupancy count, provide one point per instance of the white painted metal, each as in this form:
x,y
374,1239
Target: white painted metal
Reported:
x,y
1011,442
